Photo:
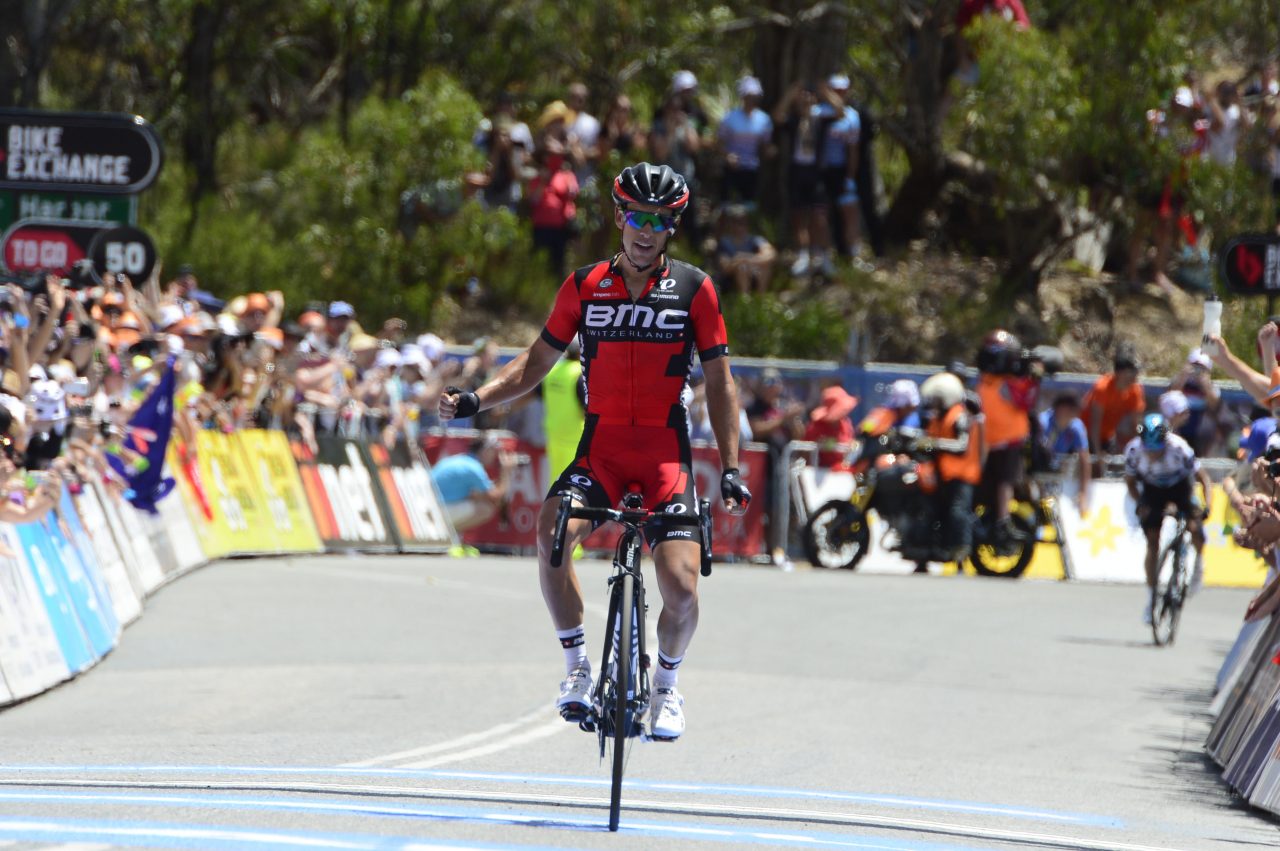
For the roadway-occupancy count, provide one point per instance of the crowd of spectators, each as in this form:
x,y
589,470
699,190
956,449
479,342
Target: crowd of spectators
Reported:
x,y
547,172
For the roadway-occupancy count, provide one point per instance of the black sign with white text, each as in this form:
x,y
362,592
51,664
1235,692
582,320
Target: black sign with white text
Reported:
x,y
107,153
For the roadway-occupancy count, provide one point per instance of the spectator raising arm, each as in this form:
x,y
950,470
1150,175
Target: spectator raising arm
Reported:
x,y
1253,382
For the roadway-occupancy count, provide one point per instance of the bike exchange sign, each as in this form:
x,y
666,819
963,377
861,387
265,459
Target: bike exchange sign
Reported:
x,y
77,152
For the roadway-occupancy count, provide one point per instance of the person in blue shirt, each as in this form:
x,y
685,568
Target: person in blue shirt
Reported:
x,y
839,166
744,136
470,496
1063,434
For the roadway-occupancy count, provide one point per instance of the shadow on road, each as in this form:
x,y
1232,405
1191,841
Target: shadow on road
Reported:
x,y
1093,641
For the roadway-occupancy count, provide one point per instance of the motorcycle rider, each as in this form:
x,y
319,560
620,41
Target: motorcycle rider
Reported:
x,y
1008,384
958,450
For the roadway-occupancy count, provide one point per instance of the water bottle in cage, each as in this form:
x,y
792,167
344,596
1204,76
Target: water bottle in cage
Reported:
x,y
635,650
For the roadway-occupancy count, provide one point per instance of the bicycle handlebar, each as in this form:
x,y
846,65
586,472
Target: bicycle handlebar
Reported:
x,y
635,518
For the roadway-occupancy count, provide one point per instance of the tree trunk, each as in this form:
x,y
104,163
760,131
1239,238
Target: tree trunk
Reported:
x,y
926,72
201,131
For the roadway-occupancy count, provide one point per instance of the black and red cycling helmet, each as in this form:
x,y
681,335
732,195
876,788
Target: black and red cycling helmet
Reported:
x,y
657,185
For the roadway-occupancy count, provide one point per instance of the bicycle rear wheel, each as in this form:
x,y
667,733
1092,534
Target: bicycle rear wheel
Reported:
x,y
1167,609
624,682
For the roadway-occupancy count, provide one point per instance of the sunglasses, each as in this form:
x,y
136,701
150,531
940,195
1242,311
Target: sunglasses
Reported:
x,y
658,222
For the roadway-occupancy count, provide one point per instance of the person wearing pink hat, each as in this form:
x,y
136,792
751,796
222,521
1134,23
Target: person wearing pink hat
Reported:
x,y
830,427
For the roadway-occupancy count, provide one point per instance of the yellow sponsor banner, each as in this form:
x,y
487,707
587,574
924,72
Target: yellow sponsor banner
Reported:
x,y
239,517
269,462
195,497
1107,545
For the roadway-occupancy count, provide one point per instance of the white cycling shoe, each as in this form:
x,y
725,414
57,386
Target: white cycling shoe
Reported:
x,y
575,695
666,713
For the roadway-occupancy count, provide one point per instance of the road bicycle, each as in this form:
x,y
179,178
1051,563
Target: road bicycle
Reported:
x,y
1172,579
621,695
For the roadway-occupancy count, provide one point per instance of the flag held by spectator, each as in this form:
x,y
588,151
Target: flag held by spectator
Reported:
x,y
139,455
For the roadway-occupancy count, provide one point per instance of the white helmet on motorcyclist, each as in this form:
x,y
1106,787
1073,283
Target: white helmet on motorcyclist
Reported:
x,y
943,390
903,393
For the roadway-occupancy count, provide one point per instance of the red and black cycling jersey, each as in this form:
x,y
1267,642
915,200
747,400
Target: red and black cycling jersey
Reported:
x,y
637,354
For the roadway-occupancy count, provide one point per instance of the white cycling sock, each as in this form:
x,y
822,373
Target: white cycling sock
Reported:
x,y
668,670
574,643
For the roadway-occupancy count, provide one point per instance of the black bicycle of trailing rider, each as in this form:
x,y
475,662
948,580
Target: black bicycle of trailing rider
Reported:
x,y
621,695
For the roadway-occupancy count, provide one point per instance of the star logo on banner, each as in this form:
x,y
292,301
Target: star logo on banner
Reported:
x,y
1102,533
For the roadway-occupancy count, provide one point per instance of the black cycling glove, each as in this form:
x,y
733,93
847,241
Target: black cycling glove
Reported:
x,y
733,487
468,402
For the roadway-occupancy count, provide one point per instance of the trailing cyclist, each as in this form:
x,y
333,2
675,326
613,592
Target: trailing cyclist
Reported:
x,y
1160,469
642,318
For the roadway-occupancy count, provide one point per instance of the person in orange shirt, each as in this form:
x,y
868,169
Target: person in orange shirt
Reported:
x,y
1008,386
957,449
1114,405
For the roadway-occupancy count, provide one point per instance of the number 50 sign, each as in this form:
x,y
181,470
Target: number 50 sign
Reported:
x,y
123,250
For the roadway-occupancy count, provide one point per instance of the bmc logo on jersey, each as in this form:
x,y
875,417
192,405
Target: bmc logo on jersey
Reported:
x,y
633,316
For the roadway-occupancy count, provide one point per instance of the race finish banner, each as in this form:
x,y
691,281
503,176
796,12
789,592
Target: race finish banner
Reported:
x,y
344,494
411,502
105,153
1250,264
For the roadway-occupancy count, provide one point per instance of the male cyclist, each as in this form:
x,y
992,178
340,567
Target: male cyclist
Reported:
x,y
642,318
1159,469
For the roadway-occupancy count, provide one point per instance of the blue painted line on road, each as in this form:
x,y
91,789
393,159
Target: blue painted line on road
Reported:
x,y
200,833
895,801
217,838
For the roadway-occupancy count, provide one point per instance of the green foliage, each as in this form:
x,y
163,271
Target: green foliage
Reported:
x,y
767,326
317,217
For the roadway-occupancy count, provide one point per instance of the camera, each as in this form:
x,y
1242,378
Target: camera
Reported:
x,y
1272,457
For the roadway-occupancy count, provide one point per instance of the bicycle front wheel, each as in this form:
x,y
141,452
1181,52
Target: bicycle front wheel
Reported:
x,y
625,682
1167,607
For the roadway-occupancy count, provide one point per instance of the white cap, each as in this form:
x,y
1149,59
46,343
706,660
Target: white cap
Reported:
x,y
36,373
61,372
683,80
1184,98
411,354
1199,358
388,358
48,400
432,347
838,81
1173,403
903,393
228,324
170,314
749,87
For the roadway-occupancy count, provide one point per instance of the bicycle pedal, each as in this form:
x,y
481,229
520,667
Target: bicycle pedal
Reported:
x,y
574,714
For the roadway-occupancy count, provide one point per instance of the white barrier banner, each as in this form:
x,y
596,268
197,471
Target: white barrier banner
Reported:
x,y
132,540
182,535
30,655
95,538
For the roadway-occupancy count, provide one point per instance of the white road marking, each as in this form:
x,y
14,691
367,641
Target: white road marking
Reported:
x,y
558,725
779,814
539,714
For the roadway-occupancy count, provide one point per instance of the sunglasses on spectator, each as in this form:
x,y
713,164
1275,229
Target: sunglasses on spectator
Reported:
x,y
658,222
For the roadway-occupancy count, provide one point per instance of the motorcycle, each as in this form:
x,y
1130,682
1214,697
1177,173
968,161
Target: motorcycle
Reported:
x,y
895,475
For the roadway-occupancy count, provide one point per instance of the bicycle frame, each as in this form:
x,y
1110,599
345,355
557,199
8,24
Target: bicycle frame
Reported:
x,y
622,691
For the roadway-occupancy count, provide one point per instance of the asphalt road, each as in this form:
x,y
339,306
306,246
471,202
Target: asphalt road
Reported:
x,y
406,702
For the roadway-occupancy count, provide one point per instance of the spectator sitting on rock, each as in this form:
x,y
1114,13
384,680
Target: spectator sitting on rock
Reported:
x,y
744,259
